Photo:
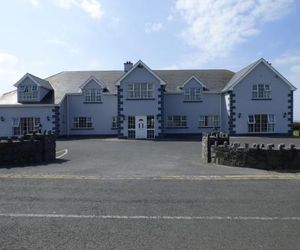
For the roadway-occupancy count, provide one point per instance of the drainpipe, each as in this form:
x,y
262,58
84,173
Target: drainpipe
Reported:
x,y
220,118
67,118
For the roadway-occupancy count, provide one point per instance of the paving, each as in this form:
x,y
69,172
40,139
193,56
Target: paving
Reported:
x,y
111,194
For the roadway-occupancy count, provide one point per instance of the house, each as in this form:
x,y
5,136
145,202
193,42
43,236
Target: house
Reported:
x,y
139,102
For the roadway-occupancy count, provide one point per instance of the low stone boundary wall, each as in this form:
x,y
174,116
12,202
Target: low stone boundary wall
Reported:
x,y
212,139
31,149
257,156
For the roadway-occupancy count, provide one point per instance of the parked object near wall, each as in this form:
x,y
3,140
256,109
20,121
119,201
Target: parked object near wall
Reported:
x,y
30,149
259,156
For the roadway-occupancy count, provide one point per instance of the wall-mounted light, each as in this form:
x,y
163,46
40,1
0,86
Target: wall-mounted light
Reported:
x,y
2,119
48,118
284,115
239,115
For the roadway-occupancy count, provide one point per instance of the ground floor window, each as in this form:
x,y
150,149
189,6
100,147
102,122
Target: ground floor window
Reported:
x,y
261,123
150,127
82,122
210,121
26,125
131,126
177,121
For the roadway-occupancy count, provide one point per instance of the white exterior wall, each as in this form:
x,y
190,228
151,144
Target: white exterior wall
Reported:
x,y
8,113
245,105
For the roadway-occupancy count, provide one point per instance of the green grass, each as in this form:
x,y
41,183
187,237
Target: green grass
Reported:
x,y
296,133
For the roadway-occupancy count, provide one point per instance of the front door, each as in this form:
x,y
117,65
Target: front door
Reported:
x,y
141,127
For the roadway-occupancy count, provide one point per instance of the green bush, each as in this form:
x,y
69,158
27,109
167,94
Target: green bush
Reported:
x,y
296,125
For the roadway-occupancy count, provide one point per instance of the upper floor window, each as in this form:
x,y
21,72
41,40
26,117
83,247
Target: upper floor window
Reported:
x,y
28,92
92,95
210,121
177,121
82,122
192,94
261,91
140,90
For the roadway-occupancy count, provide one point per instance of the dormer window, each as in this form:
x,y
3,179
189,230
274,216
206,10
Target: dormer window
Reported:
x,y
92,95
192,94
28,92
261,91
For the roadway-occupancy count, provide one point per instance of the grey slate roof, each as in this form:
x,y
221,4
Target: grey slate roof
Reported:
x,y
42,82
70,81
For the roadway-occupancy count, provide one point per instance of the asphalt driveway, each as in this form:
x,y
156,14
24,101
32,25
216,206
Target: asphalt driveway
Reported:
x,y
131,158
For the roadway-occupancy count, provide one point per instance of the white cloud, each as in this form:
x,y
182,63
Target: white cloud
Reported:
x,y
92,7
35,3
216,27
10,71
153,27
289,64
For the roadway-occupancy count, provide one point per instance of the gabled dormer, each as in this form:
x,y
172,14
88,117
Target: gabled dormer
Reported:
x,y
92,90
193,89
32,89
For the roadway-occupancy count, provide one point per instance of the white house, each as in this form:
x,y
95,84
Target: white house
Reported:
x,y
143,103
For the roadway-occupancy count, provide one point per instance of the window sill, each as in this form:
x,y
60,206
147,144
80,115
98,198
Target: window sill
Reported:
x,y
92,102
193,101
176,127
140,99
261,99
209,127
82,128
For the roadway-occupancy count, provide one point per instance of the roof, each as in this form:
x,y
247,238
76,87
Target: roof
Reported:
x,y
39,81
240,75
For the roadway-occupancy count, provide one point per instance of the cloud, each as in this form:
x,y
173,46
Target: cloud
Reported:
x,y
215,28
153,27
10,71
289,64
35,3
91,7
60,42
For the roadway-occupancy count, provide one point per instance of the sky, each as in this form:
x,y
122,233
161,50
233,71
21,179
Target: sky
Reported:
x,y
44,37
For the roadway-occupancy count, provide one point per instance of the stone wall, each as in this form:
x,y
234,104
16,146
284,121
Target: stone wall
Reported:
x,y
31,149
257,156
212,139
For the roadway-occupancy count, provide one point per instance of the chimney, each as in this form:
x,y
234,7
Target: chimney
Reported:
x,y
127,66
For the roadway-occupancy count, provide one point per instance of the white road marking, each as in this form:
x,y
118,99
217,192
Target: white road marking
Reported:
x,y
143,217
62,153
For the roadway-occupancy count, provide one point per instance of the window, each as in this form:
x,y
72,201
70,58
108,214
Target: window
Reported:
x,y
261,123
192,94
150,126
140,90
210,121
177,121
92,95
114,124
26,125
28,92
82,123
261,91
131,126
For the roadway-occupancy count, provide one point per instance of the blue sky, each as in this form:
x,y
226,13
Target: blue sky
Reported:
x,y
44,37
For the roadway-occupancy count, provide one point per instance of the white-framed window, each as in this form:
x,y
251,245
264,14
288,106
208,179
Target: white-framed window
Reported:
x,y
150,126
28,92
92,95
131,126
177,121
261,91
192,94
210,121
140,90
82,122
26,125
261,123
114,124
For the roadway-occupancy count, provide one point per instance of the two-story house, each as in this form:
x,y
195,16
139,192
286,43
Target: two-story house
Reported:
x,y
139,102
